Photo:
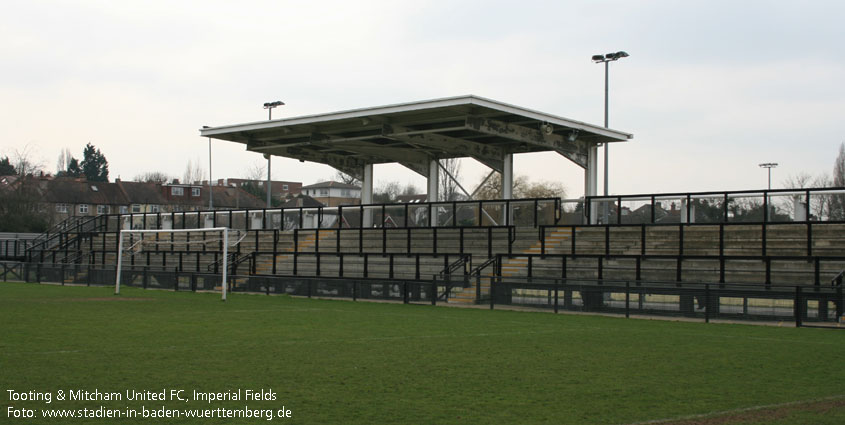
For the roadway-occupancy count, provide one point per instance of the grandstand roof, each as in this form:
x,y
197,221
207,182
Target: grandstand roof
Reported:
x,y
414,133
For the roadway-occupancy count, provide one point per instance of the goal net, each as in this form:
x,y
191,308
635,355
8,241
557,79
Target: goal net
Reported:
x,y
214,239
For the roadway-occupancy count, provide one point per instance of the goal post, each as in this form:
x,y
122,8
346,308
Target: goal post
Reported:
x,y
224,231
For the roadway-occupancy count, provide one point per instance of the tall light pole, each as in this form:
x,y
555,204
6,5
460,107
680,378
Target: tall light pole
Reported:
x,y
606,59
269,107
769,165
210,185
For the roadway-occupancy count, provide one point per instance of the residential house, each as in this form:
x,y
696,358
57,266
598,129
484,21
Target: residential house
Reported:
x,y
333,193
77,197
280,190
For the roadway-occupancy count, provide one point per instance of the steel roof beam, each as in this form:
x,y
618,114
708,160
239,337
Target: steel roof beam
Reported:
x,y
575,151
447,146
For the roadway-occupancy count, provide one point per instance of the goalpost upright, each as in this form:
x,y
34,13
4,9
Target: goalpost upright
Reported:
x,y
224,230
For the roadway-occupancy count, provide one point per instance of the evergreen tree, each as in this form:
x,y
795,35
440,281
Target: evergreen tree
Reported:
x,y
94,166
74,170
6,167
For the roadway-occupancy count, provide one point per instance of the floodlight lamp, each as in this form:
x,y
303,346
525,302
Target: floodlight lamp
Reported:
x,y
598,58
270,105
622,54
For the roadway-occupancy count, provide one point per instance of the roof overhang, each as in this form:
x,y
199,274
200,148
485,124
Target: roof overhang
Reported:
x,y
414,133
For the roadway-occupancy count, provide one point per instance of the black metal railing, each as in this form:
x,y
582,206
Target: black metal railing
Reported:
x,y
499,213
717,266
14,248
809,233
806,306
753,206
708,301
385,233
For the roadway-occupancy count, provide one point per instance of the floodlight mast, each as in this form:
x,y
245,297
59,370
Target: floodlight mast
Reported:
x,y
269,107
606,59
769,166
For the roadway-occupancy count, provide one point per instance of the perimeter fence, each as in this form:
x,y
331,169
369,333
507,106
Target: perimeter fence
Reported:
x,y
802,305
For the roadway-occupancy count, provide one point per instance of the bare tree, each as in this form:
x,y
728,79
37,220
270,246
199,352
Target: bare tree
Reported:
x,y
839,168
522,188
24,161
21,209
387,192
153,177
255,172
798,181
544,189
410,189
193,172
342,177
65,157
449,190
837,204
492,188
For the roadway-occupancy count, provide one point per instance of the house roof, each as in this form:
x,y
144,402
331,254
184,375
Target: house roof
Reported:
x,y
302,201
231,197
331,184
143,193
69,190
414,133
412,198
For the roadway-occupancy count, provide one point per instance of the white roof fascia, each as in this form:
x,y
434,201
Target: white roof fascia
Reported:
x,y
415,106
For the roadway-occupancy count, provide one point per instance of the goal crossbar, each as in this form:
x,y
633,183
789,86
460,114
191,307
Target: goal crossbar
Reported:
x,y
224,230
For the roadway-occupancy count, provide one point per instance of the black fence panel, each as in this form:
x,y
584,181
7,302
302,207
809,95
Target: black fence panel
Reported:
x,y
801,304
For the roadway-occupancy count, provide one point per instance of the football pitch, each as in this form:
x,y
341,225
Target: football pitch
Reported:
x,y
174,357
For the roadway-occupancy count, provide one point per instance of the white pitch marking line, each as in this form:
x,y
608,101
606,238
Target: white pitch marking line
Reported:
x,y
740,410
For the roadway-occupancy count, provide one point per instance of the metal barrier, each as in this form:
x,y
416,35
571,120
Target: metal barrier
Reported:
x,y
498,213
805,306
817,306
718,264
722,233
753,206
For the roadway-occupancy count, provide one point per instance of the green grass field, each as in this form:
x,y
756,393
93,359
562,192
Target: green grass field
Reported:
x,y
359,362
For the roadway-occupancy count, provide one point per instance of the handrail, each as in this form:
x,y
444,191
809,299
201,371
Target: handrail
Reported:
x,y
81,225
837,281
234,259
457,265
490,261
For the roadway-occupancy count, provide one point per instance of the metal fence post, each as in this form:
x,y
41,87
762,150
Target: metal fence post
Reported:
x,y
706,303
492,292
556,296
627,299
434,292
478,287
799,311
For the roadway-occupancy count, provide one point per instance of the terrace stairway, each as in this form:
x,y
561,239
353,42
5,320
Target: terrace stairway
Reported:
x,y
511,267
265,266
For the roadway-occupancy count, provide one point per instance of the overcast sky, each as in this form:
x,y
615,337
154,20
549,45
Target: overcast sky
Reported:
x,y
711,89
